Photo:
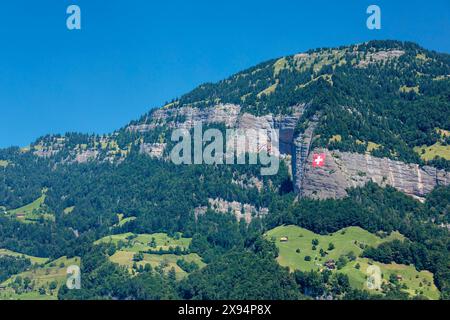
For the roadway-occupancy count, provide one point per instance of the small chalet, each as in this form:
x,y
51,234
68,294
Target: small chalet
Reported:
x,y
330,264
284,239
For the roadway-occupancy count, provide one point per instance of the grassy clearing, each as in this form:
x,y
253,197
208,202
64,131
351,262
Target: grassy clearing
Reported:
x,y
3,163
29,208
371,146
441,78
326,77
245,96
319,60
123,220
69,210
34,260
168,261
32,212
269,90
130,244
421,56
406,89
415,282
169,105
279,66
430,152
295,244
299,238
47,279
116,238
335,138
142,242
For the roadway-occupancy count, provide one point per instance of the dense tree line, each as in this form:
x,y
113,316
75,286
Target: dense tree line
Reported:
x,y
241,275
419,255
12,265
361,105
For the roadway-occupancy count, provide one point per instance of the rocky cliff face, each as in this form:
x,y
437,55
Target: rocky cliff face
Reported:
x,y
242,211
105,148
186,117
228,114
344,170
300,151
154,150
272,96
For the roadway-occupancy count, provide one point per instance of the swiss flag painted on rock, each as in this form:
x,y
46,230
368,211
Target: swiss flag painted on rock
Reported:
x,y
319,160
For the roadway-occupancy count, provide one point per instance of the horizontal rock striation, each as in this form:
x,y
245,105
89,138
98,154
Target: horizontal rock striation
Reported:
x,y
228,114
241,211
343,170
187,117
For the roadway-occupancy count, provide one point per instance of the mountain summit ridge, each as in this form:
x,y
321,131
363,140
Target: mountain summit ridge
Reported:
x,y
387,94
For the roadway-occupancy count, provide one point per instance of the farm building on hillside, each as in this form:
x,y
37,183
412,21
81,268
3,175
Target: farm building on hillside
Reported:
x,y
284,239
330,264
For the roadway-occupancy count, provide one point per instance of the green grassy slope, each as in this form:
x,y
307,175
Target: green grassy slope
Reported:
x,y
130,244
40,280
34,260
32,212
299,245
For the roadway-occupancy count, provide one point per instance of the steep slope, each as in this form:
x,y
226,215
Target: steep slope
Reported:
x,y
374,110
344,170
371,108
381,99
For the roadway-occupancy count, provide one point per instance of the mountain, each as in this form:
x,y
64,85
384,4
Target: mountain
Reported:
x,y
384,99
377,111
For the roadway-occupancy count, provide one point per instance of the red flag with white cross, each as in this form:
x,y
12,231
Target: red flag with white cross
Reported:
x,y
319,160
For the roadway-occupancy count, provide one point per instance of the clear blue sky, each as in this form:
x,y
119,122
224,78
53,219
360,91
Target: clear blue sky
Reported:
x,y
133,55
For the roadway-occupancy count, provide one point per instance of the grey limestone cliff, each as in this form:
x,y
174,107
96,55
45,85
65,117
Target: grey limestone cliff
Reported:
x,y
343,170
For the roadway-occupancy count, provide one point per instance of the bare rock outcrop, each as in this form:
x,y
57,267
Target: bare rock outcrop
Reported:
x,y
247,182
241,211
186,117
343,170
301,149
230,115
86,156
154,150
380,56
